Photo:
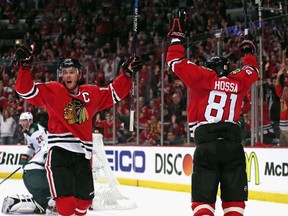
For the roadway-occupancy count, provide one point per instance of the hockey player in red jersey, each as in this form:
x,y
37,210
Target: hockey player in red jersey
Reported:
x,y
70,107
219,156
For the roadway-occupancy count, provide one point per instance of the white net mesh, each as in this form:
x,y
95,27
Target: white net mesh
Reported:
x,y
107,193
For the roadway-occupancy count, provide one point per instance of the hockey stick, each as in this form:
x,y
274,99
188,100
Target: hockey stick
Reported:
x,y
245,19
134,42
250,32
10,175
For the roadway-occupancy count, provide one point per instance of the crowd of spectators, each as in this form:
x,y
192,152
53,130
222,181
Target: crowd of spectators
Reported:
x,y
99,34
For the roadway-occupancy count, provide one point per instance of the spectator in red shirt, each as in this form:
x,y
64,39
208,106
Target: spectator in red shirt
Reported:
x,y
281,90
147,137
153,109
144,114
107,126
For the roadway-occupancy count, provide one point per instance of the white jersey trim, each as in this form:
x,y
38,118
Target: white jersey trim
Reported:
x,y
30,94
69,142
115,97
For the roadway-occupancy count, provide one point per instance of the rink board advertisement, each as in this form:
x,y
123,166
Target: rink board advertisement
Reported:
x,y
171,167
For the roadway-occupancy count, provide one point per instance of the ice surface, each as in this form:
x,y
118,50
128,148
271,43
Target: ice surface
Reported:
x,y
153,202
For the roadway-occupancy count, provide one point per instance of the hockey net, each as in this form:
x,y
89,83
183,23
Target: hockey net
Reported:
x,y
107,191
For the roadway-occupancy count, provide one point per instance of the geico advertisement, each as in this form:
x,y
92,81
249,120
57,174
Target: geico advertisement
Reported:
x,y
265,166
151,163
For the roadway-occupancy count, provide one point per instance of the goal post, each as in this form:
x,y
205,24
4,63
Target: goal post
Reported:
x,y
106,185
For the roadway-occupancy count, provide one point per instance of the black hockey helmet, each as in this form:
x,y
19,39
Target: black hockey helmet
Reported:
x,y
66,63
220,65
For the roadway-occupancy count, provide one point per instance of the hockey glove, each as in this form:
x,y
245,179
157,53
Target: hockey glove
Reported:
x,y
24,158
24,55
247,47
132,65
178,25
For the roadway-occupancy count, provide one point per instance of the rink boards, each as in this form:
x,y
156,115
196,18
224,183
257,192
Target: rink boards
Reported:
x,y
170,168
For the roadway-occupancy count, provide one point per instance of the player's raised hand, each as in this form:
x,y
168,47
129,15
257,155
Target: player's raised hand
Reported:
x,y
24,54
132,65
247,47
177,25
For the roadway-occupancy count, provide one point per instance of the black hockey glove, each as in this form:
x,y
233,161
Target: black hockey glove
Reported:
x,y
24,55
247,47
132,66
177,25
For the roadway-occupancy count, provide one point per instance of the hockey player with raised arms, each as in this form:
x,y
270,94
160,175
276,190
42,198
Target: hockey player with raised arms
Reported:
x,y
219,157
70,107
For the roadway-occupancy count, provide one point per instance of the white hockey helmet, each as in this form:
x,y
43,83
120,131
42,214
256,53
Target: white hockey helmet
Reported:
x,y
26,116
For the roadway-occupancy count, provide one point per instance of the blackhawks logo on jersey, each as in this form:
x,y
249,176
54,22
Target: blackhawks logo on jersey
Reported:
x,y
235,71
75,112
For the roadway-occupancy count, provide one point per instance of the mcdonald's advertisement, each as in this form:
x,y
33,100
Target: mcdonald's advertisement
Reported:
x,y
267,169
169,167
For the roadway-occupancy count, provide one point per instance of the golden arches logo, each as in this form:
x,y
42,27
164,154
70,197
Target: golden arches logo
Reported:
x,y
249,159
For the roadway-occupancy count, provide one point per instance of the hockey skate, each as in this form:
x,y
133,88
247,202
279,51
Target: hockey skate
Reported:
x,y
51,208
51,211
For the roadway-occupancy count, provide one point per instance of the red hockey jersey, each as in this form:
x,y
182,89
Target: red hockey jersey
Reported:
x,y
218,99
70,116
